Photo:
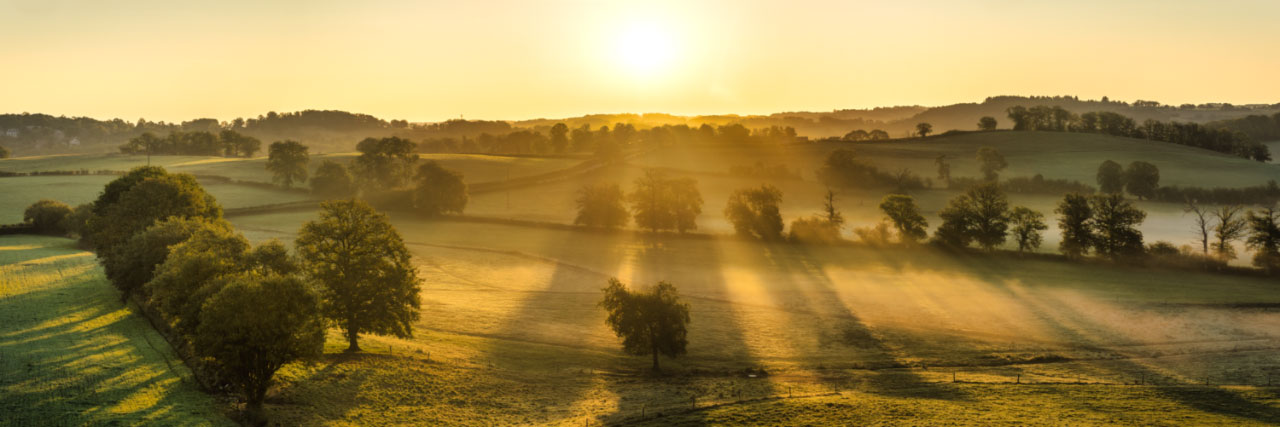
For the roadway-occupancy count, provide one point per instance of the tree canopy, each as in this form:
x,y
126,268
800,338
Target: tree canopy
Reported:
x,y
332,181
384,163
1110,177
287,162
601,205
902,211
1141,179
439,190
754,212
653,322
660,202
980,215
990,163
368,283
47,216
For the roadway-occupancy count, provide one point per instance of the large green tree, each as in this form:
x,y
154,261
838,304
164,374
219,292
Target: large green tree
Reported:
x,y
368,283
332,181
980,215
138,257
653,322
385,163
254,326
1110,177
144,203
1075,220
47,216
439,190
660,202
194,270
287,162
902,211
601,205
754,212
1141,179
1115,226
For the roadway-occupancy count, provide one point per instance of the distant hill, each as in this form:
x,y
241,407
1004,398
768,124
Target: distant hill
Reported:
x,y
329,131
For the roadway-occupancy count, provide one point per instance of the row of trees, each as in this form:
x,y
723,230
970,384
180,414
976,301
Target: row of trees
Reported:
x,y
658,202
224,143
1217,229
387,165
1220,139
244,310
1140,179
560,138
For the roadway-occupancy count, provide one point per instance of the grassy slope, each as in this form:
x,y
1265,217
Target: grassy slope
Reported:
x,y
71,354
513,335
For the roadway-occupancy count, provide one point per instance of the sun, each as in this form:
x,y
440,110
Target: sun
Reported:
x,y
645,49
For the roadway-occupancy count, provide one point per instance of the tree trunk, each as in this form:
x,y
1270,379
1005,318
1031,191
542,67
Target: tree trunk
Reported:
x,y
655,360
352,337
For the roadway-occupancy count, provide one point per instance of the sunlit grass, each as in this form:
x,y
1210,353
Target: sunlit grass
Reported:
x,y
71,354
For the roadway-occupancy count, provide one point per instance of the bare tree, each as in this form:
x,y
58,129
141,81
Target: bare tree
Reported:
x,y
1231,226
1202,223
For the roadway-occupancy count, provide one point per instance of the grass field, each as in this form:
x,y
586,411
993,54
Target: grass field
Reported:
x,y
511,334
71,354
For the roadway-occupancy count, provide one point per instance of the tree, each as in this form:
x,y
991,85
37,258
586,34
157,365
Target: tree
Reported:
x,y
944,168
923,129
601,206
754,212
878,135
147,201
384,163
1142,179
902,211
439,190
1264,239
1115,222
287,161
1231,226
559,137
582,138
1202,223
76,223
4,152
1075,219
829,211
662,203
194,270
653,322
1028,225
47,216
1110,177
285,326
990,163
138,258
980,215
987,123
368,282
332,181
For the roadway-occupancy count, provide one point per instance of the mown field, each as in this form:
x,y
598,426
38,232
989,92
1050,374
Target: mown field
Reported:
x,y
72,354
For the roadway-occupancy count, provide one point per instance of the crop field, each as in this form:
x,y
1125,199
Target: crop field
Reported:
x,y
72,354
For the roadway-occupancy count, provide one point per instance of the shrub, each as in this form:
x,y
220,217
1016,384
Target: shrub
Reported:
x,y
47,216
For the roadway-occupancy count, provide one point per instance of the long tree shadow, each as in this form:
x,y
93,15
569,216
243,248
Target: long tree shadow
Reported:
x,y
804,280
1080,328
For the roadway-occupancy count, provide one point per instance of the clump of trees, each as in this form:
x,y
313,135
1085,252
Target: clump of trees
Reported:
x,y
332,180
439,190
1221,137
1140,179
842,168
923,129
902,212
200,143
47,216
1264,239
601,205
858,135
754,212
980,215
384,163
990,163
660,202
287,162
821,228
987,123
1106,223
650,322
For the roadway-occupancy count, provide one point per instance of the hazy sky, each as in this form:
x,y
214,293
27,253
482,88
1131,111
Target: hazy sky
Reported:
x,y
428,60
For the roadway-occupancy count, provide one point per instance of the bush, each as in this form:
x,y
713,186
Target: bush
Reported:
x,y
601,206
814,230
47,216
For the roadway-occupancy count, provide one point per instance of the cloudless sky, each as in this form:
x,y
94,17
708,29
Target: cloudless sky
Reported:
x,y
435,60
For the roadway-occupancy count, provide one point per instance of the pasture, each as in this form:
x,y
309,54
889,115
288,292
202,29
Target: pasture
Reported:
x,y
72,354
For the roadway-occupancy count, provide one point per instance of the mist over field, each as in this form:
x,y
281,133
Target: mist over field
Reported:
x,y
639,213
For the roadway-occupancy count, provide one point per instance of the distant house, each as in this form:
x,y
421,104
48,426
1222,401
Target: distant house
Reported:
x,y
12,133
74,142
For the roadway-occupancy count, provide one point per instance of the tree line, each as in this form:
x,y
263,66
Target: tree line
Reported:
x,y
199,143
1220,139
605,141
244,311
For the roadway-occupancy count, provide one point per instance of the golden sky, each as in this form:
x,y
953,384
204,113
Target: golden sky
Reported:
x,y
435,60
